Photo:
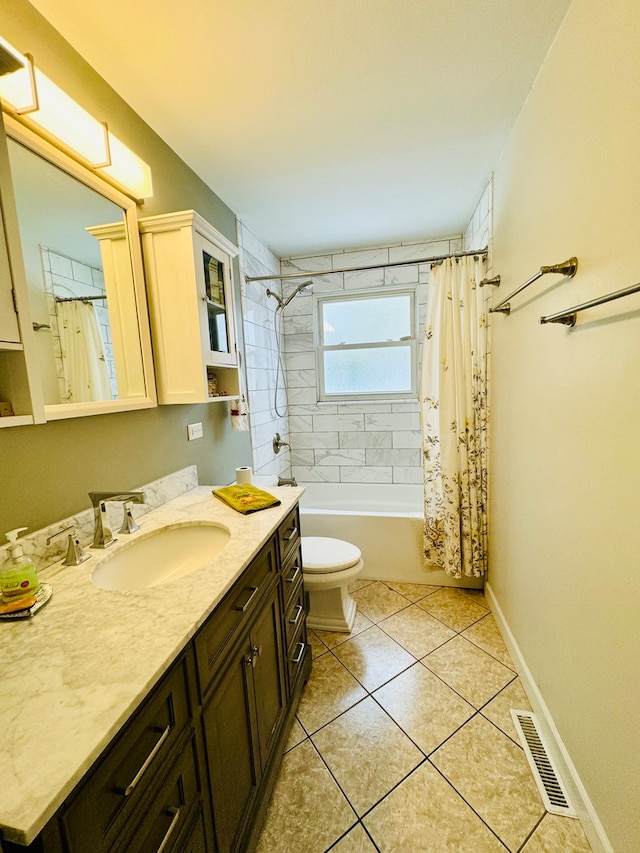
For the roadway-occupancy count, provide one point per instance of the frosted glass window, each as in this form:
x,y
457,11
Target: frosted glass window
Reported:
x,y
366,345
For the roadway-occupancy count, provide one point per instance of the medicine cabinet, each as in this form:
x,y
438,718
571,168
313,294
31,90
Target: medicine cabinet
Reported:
x,y
189,274
73,252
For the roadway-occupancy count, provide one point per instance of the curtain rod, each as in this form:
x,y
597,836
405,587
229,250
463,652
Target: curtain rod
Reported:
x,y
78,298
432,260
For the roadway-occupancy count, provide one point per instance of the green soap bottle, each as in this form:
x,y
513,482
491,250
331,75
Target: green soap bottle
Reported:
x,y
18,575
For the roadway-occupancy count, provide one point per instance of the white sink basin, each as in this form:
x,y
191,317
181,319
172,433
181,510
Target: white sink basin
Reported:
x,y
164,555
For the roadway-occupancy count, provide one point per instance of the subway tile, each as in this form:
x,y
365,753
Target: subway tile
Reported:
x,y
333,423
415,251
297,324
339,457
380,457
350,474
302,457
407,475
392,422
301,396
365,439
361,257
402,275
301,379
363,279
300,360
308,474
409,406
301,423
405,438
302,342
317,440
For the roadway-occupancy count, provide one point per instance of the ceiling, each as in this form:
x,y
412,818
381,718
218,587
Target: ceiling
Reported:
x,y
325,124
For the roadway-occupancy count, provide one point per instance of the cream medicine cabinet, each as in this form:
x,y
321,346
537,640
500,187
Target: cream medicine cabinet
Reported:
x,y
188,267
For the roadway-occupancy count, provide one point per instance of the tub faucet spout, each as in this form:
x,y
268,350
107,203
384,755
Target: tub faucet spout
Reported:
x,y
287,481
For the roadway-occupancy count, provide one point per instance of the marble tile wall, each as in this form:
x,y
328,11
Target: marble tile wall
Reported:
x,y
359,442
260,355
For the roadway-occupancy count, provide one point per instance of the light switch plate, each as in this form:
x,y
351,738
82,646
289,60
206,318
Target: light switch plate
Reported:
x,y
194,431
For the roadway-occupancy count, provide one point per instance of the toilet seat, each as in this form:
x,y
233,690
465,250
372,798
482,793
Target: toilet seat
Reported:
x,y
321,554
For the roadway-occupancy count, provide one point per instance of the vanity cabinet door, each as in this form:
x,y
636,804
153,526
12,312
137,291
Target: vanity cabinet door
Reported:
x,y
242,721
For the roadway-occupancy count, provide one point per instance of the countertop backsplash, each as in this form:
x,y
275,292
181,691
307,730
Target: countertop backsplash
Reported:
x,y
156,493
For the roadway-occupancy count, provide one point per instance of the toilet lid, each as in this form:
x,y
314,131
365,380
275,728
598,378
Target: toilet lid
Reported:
x,y
322,554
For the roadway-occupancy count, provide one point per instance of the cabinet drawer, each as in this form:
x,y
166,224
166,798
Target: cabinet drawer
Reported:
x,y
233,612
289,533
295,614
119,782
170,812
291,576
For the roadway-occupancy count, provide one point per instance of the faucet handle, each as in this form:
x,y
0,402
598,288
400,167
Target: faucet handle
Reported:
x,y
129,524
75,555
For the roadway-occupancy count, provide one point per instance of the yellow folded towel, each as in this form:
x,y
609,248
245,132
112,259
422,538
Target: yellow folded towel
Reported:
x,y
246,498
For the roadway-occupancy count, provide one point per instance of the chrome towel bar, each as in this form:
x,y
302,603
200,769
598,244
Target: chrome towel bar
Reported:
x,y
568,317
566,268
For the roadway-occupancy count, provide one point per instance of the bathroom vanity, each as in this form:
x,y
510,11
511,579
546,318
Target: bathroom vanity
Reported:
x,y
154,720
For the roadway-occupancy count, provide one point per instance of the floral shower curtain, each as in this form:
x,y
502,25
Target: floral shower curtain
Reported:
x,y
454,419
86,377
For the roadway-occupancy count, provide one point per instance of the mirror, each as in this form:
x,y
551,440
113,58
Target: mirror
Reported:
x,y
84,277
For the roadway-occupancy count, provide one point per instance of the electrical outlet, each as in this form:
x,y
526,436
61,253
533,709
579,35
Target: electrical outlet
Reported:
x,y
194,431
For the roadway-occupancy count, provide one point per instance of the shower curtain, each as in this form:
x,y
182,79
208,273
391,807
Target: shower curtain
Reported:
x,y
454,419
86,377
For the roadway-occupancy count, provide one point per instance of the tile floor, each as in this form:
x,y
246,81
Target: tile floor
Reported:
x,y
403,741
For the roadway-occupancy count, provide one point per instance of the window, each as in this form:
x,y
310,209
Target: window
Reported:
x,y
366,345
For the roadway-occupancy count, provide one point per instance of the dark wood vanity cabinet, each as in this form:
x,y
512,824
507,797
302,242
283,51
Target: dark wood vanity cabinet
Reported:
x,y
192,770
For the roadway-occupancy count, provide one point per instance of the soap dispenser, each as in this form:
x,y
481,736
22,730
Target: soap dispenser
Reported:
x,y
18,575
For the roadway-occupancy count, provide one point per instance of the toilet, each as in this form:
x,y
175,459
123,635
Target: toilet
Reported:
x,y
329,566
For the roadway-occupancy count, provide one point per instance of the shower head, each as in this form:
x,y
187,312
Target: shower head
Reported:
x,y
282,303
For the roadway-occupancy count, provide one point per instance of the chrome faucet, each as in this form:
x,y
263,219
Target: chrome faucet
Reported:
x,y
103,535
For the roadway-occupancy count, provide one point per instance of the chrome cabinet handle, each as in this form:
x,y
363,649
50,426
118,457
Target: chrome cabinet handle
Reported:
x,y
298,656
256,651
299,609
173,813
126,792
292,535
294,575
243,608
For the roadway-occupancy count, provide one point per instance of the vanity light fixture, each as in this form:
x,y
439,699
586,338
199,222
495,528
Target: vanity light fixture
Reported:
x,y
34,99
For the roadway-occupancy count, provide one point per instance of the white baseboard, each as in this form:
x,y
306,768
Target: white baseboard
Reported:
x,y
591,824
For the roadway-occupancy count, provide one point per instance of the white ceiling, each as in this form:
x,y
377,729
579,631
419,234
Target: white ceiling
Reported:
x,y
325,124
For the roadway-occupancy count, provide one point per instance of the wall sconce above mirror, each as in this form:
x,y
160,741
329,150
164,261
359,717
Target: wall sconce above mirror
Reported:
x,y
83,267
35,100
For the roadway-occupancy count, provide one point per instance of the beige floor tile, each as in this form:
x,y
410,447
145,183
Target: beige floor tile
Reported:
x,y
453,607
358,584
416,630
331,689
377,601
555,833
373,657
478,596
308,812
413,591
355,841
296,736
317,645
493,776
334,638
498,710
425,708
486,634
425,815
472,673
367,753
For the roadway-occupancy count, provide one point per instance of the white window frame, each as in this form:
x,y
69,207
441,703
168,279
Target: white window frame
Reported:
x,y
320,347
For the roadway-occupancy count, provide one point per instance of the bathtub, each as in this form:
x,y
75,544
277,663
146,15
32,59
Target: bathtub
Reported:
x,y
384,521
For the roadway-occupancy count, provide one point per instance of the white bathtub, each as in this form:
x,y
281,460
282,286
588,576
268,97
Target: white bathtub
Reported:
x,y
384,521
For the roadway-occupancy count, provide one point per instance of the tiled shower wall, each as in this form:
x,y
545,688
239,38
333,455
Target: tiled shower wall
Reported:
x,y
359,442
350,442
258,312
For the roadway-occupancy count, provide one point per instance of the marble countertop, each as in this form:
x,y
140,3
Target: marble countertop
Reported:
x,y
73,674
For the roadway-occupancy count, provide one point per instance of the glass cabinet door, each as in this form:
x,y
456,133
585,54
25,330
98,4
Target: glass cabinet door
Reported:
x,y
214,285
